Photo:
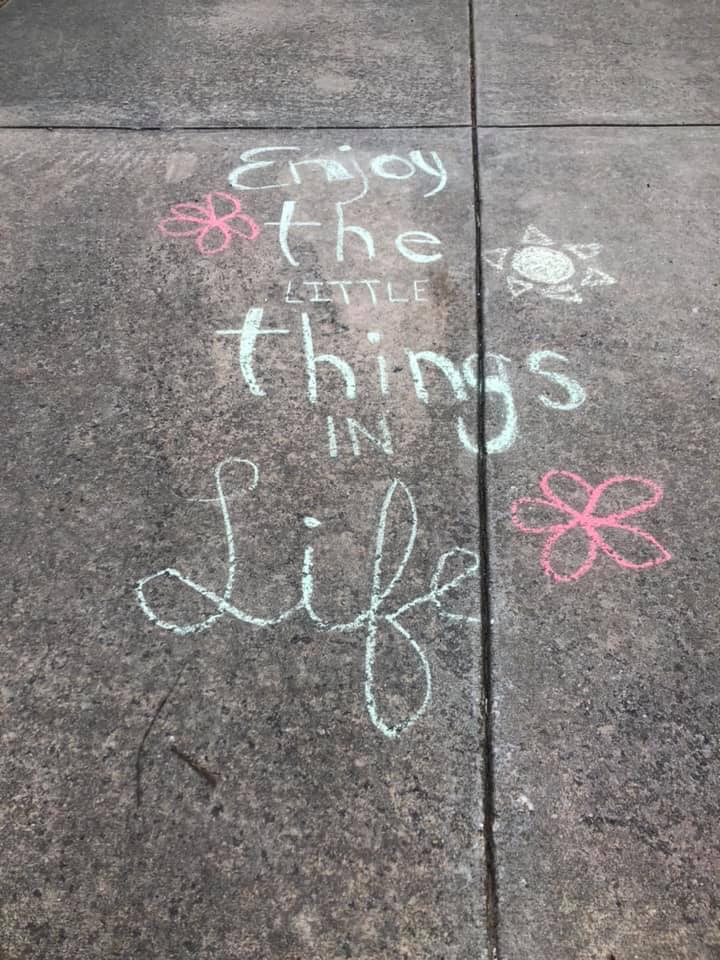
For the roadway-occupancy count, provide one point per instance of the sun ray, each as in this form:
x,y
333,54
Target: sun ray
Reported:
x,y
596,278
567,293
583,251
518,287
537,237
496,258
557,271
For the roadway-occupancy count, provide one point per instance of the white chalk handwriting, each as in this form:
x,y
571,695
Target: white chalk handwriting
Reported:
x,y
356,292
260,167
380,611
460,379
281,168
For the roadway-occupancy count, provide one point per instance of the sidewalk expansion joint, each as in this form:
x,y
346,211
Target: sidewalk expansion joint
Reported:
x,y
491,892
559,125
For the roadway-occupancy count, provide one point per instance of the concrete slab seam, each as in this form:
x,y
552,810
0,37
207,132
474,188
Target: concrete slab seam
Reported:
x,y
491,903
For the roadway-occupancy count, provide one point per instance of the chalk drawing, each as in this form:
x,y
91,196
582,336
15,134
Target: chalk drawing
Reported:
x,y
260,169
434,375
248,334
441,363
381,439
499,384
589,521
363,291
370,620
248,164
343,230
390,166
312,359
374,337
332,437
284,224
213,231
553,271
576,394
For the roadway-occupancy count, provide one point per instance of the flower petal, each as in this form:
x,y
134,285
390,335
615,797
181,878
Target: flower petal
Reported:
x,y
218,203
580,488
195,212
220,240
534,509
658,553
551,557
180,228
230,222
612,484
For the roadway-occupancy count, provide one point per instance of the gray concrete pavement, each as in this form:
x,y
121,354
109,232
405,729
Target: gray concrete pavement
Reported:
x,y
636,63
606,684
219,63
156,423
245,623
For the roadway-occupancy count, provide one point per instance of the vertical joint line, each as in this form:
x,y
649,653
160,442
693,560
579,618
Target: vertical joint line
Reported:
x,y
491,902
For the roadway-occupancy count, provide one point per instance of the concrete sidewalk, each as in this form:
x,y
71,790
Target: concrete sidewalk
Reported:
x,y
289,669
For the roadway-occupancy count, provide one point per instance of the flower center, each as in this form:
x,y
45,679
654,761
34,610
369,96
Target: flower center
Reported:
x,y
543,265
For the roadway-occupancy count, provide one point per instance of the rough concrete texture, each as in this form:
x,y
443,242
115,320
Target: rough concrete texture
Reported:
x,y
649,62
606,720
303,777
223,63
225,793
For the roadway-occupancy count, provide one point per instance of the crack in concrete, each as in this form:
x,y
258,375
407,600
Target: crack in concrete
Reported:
x,y
146,734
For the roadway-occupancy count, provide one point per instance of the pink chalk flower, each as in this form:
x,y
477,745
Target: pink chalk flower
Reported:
x,y
583,527
213,230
